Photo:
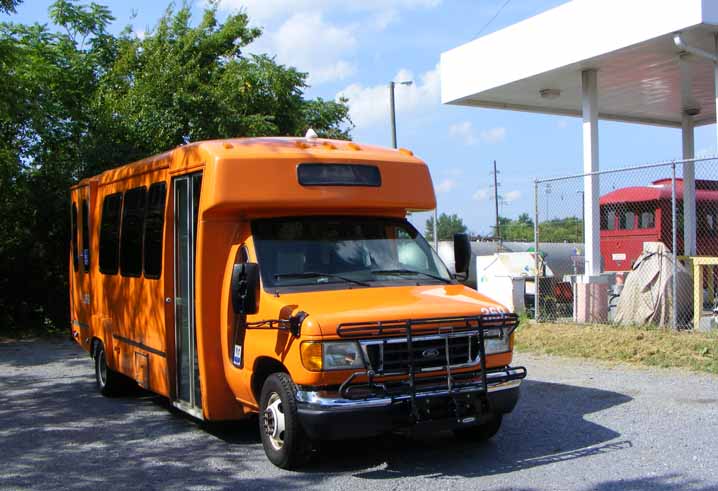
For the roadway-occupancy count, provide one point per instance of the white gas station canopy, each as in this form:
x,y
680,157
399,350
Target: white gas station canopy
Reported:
x,y
643,76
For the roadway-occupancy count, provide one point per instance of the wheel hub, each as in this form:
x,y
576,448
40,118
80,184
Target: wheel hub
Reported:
x,y
273,421
103,368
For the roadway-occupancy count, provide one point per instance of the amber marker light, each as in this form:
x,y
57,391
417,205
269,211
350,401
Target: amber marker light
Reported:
x,y
312,355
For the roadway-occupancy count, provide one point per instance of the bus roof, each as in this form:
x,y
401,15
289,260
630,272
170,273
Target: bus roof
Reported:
x,y
706,190
261,174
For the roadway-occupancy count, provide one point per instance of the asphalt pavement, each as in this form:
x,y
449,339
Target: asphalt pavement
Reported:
x,y
579,425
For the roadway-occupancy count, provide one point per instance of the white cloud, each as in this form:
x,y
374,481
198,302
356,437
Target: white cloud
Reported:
x,y
445,185
562,123
481,194
484,194
300,35
511,196
370,105
463,131
266,10
706,151
312,45
382,19
493,135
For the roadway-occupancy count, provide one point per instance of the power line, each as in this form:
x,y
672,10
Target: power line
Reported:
x,y
498,12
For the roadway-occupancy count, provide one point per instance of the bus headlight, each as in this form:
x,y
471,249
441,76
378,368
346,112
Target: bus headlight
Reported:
x,y
331,355
342,355
495,342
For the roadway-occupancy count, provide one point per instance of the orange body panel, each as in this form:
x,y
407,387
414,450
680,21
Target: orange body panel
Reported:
x,y
245,179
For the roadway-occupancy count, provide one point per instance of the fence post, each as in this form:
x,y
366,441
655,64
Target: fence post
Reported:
x,y
674,242
536,252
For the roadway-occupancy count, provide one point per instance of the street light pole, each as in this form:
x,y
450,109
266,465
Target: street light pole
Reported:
x,y
392,114
392,108
392,118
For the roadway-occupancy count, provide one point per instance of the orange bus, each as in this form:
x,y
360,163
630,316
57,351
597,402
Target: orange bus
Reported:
x,y
280,277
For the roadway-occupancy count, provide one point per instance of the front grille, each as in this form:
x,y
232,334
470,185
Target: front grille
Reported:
x,y
429,353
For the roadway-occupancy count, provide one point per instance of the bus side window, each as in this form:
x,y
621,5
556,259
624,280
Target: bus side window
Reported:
x,y
85,236
628,220
133,217
110,234
153,235
608,219
647,219
73,226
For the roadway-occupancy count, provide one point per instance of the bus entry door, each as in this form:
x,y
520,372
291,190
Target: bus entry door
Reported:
x,y
186,204
80,249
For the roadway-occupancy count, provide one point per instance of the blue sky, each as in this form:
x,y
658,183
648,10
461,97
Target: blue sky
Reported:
x,y
355,47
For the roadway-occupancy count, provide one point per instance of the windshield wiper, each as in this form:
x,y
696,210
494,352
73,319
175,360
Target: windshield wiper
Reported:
x,y
316,274
407,272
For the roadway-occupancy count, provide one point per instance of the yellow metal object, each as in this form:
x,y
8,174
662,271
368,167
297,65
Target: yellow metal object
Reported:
x,y
695,266
312,355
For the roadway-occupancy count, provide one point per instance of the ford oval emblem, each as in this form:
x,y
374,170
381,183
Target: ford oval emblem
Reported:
x,y
430,353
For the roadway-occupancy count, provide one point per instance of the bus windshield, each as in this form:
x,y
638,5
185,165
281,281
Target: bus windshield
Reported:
x,y
343,251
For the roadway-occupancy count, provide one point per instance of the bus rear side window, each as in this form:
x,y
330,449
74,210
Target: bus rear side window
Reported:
x,y
647,220
110,234
628,220
608,219
73,227
133,216
154,223
85,236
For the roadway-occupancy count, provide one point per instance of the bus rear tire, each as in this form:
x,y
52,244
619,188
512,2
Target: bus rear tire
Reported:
x,y
283,438
480,433
109,382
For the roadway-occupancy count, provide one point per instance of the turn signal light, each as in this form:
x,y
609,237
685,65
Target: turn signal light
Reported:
x,y
312,355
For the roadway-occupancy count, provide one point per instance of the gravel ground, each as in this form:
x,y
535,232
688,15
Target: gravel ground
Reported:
x,y
579,425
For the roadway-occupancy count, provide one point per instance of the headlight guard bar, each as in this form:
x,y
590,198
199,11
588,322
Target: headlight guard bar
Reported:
x,y
444,327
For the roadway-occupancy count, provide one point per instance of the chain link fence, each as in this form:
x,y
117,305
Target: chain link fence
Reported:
x,y
642,279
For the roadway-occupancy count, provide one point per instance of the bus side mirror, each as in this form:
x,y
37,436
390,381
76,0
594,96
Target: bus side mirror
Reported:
x,y
245,288
462,256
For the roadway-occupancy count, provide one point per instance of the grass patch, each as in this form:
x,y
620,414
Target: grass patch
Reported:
x,y
641,345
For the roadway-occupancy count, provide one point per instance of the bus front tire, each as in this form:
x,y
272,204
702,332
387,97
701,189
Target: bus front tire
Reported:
x,y
283,438
109,382
480,433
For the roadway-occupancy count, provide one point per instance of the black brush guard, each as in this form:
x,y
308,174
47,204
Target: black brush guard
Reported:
x,y
403,383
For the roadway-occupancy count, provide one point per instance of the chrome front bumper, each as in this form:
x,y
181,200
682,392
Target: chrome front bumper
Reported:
x,y
496,382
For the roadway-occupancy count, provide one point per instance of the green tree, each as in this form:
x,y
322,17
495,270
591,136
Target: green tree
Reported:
x,y
569,229
448,226
79,100
8,6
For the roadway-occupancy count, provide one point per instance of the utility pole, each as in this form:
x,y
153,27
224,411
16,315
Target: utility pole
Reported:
x,y
497,231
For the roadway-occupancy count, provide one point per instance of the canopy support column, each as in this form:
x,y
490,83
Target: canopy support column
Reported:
x,y
689,109
689,187
591,291
589,87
